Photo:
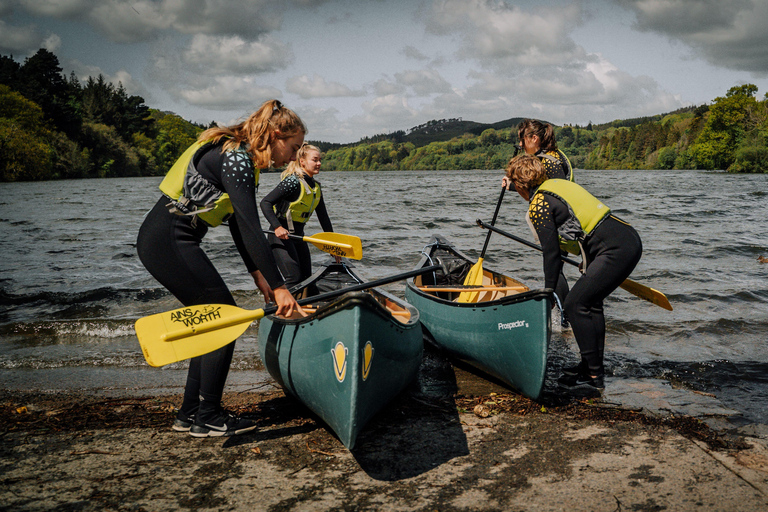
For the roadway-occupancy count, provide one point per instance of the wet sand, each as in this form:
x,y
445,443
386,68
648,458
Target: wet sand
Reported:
x,y
469,445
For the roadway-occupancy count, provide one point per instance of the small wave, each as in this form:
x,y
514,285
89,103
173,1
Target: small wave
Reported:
x,y
113,361
81,328
96,295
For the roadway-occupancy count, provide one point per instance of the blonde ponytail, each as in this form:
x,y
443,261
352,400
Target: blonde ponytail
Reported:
x,y
255,131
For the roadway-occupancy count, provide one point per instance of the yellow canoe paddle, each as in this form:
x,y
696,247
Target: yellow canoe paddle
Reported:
x,y
192,331
475,274
337,244
633,287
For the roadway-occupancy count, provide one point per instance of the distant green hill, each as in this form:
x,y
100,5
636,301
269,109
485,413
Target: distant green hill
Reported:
x,y
729,134
432,131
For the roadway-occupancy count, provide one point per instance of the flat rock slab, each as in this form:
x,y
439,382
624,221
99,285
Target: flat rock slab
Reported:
x,y
439,459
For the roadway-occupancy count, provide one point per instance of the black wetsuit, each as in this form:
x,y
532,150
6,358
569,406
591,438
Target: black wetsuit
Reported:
x,y
560,169
612,252
293,256
169,247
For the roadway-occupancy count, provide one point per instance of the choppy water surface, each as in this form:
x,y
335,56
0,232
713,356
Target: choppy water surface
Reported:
x,y
71,285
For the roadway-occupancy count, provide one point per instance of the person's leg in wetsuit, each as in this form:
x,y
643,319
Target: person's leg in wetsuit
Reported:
x,y
169,247
620,250
293,258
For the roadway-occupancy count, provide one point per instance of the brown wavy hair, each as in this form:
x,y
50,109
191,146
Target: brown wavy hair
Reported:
x,y
526,171
255,131
544,131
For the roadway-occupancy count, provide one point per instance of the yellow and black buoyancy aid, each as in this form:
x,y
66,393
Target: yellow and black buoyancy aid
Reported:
x,y
301,209
554,159
586,211
191,194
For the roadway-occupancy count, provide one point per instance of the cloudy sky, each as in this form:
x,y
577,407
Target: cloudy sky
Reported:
x,y
355,68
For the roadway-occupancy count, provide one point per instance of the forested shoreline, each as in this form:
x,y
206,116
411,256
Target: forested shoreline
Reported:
x,y
54,127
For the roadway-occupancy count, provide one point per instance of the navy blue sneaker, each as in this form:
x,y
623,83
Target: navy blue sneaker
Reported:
x,y
224,425
581,380
183,422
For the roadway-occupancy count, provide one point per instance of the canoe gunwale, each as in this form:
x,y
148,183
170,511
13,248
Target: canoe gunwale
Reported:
x,y
365,299
440,242
538,294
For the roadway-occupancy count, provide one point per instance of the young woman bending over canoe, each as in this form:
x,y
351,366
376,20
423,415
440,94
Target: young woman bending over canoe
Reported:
x,y
214,181
565,216
288,208
537,138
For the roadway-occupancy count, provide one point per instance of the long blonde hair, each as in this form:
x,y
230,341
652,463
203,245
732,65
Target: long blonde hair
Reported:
x,y
294,168
256,130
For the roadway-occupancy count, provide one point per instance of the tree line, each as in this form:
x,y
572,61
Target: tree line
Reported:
x,y
730,134
54,127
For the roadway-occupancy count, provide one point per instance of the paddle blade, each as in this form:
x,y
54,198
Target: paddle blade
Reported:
x,y
649,294
185,333
338,244
474,278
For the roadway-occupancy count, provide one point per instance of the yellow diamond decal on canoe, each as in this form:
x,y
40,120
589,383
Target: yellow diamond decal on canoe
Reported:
x,y
339,353
367,359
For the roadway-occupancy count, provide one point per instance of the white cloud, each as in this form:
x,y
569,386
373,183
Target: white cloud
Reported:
x,y
214,55
23,40
229,93
732,34
131,86
413,53
384,87
57,8
503,36
317,87
129,21
423,82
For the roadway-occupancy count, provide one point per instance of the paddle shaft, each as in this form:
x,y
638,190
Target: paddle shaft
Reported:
x,y
251,315
493,221
633,287
491,227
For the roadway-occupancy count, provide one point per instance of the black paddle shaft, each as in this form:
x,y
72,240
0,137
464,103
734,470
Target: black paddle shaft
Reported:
x,y
493,221
357,287
491,228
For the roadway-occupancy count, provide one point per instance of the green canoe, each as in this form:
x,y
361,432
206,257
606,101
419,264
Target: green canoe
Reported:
x,y
505,333
349,357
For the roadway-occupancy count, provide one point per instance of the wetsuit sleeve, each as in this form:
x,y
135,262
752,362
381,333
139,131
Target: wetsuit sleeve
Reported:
x,y
322,215
287,190
238,180
240,245
546,213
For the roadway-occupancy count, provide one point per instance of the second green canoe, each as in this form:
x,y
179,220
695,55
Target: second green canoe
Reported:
x,y
504,333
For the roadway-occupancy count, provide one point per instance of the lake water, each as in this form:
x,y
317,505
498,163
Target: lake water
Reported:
x,y
71,285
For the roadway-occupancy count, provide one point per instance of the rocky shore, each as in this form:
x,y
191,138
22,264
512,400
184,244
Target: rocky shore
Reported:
x,y
489,450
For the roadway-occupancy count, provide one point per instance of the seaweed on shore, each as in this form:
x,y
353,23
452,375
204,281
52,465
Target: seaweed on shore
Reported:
x,y
41,413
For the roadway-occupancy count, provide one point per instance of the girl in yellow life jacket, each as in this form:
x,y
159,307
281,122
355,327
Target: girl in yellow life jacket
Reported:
x,y
215,180
288,207
537,138
561,211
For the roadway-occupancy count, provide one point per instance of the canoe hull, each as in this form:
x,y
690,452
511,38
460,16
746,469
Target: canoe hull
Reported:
x,y
507,338
345,362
